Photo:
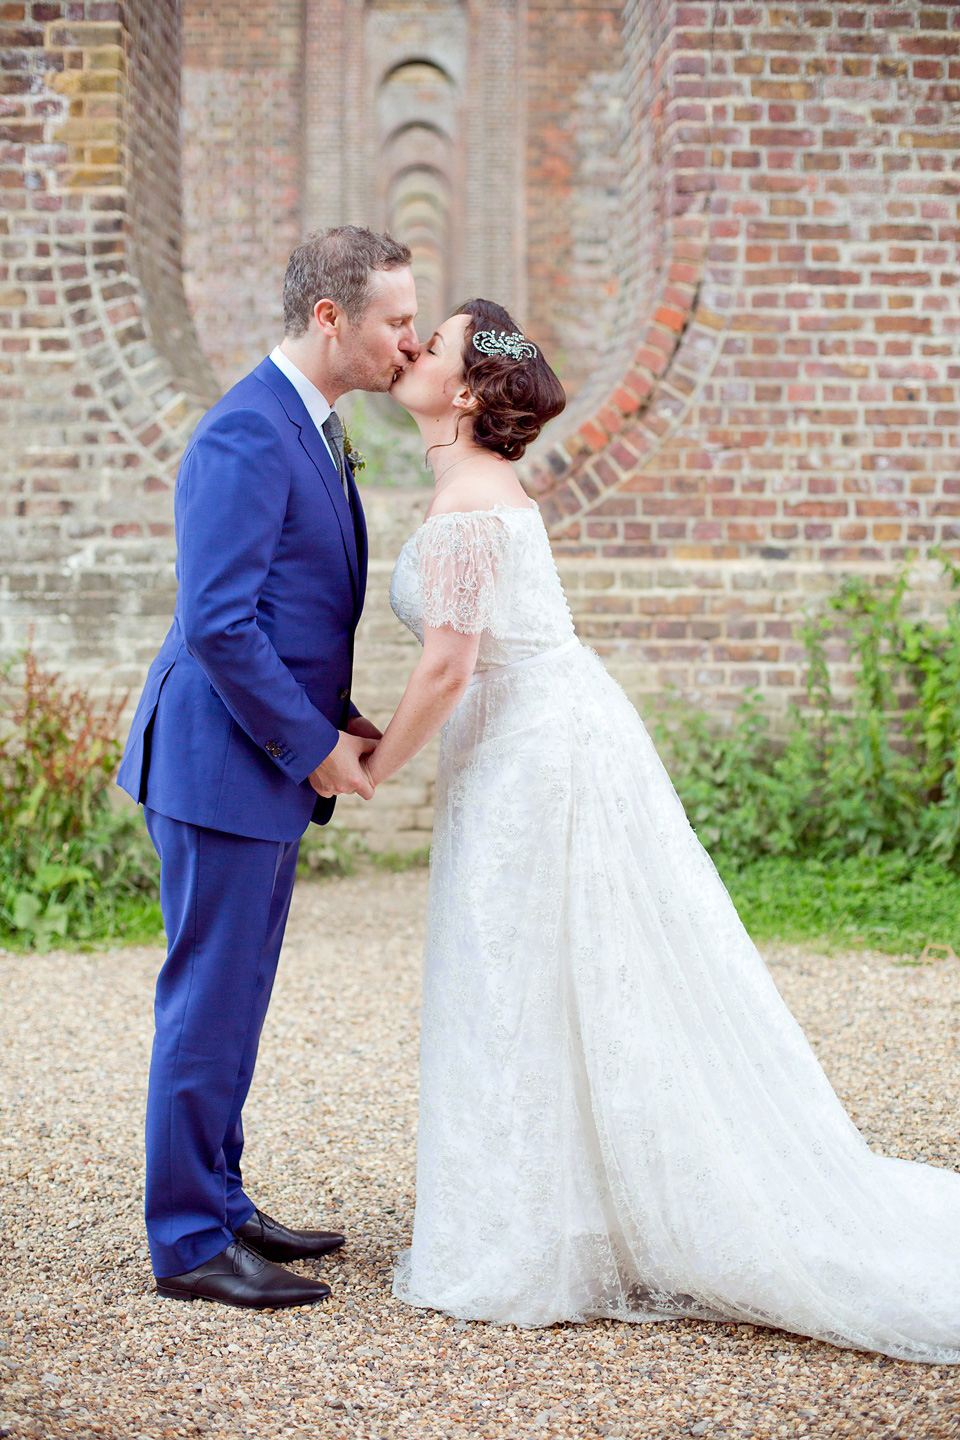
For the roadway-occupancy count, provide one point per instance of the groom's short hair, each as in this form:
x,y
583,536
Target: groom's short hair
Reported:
x,y
336,265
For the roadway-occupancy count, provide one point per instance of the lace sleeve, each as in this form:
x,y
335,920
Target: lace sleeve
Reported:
x,y
460,556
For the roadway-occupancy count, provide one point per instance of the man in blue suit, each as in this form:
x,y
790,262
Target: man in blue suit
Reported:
x,y
245,732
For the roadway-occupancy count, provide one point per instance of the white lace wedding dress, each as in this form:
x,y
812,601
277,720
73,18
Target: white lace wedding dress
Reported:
x,y
618,1115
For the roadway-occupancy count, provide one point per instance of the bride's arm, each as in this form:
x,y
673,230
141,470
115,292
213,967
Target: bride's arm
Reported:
x,y
432,694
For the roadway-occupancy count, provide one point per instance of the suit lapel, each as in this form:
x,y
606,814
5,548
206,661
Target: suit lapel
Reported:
x,y
312,444
360,534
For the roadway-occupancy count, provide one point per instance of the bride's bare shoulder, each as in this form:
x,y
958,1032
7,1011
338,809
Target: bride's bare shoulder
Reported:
x,y
482,486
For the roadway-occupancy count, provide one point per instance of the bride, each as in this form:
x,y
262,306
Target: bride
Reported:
x,y
619,1117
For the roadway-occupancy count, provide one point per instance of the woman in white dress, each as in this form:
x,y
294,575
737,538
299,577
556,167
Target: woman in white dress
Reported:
x,y
619,1117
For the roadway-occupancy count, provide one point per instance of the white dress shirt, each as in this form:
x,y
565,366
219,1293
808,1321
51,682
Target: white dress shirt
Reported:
x,y
318,407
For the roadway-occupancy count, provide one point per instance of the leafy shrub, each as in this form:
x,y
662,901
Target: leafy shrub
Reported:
x,y
861,777
73,869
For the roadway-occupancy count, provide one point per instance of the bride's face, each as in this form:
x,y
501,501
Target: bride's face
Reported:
x,y
432,385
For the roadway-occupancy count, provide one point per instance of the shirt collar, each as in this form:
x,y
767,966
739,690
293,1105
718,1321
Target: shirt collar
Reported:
x,y
318,407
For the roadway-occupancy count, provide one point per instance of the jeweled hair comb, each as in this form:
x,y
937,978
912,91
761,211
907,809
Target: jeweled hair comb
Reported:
x,y
499,342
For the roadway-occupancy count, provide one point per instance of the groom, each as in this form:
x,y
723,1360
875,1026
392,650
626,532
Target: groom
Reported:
x,y
244,733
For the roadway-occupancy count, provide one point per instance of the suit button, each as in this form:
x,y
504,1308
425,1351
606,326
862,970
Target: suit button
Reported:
x,y
342,694
274,748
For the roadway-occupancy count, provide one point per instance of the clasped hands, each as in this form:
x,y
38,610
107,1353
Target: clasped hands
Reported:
x,y
344,771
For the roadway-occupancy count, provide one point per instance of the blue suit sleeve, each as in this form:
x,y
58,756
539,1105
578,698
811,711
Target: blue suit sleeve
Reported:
x,y
232,496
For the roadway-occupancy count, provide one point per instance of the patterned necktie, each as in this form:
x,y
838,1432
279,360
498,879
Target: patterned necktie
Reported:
x,y
333,430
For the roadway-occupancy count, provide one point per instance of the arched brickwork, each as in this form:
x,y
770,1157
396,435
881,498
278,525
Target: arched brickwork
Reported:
x,y
776,208
419,164
788,405
674,298
102,379
573,179
521,160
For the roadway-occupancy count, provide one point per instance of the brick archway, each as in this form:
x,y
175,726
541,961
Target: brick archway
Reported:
x,y
419,174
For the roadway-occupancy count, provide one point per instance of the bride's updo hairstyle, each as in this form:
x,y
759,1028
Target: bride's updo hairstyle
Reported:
x,y
515,396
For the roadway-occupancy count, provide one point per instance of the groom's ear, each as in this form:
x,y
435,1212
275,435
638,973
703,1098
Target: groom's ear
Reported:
x,y
326,314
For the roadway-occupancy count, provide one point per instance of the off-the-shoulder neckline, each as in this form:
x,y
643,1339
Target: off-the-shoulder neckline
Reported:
x,y
528,509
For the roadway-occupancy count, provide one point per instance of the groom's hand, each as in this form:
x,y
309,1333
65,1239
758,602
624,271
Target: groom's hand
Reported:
x,y
341,773
360,725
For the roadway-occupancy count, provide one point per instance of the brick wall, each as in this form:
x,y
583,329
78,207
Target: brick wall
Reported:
x,y
101,379
400,816
242,173
790,411
775,404
288,126
573,178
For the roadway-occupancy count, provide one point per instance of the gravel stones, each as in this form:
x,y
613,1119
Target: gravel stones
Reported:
x,y
88,1350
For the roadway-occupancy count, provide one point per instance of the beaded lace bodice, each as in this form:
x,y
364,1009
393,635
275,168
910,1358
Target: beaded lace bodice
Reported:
x,y
484,570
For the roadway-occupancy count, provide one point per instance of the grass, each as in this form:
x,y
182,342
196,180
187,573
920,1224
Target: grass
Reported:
x,y
399,860
137,922
328,852
891,902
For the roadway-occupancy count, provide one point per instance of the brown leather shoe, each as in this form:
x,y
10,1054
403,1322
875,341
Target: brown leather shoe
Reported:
x,y
238,1276
275,1242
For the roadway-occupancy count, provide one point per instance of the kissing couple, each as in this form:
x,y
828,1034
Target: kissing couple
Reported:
x,y
618,1117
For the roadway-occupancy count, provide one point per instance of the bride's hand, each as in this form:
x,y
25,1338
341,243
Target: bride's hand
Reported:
x,y
365,767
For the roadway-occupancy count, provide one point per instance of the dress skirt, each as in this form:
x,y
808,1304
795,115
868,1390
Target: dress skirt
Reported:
x,y
619,1116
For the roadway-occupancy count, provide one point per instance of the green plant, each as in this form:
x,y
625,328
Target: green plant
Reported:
x,y
72,867
744,793
397,861
330,850
389,440
857,777
334,850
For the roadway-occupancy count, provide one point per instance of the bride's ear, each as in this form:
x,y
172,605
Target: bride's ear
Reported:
x,y
464,400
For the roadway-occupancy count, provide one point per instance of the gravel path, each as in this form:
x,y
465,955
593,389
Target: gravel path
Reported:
x,y
86,1348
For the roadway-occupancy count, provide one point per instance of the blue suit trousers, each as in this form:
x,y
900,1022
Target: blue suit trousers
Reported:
x,y
225,900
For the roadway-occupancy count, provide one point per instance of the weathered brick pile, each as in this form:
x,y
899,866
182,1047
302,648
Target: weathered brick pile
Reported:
x,y
754,297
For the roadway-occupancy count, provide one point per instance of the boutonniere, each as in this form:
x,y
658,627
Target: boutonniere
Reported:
x,y
357,461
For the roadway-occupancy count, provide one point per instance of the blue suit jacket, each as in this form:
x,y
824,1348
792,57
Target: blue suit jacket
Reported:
x,y
252,682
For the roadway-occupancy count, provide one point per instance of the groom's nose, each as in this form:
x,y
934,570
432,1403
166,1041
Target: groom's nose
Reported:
x,y
409,344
